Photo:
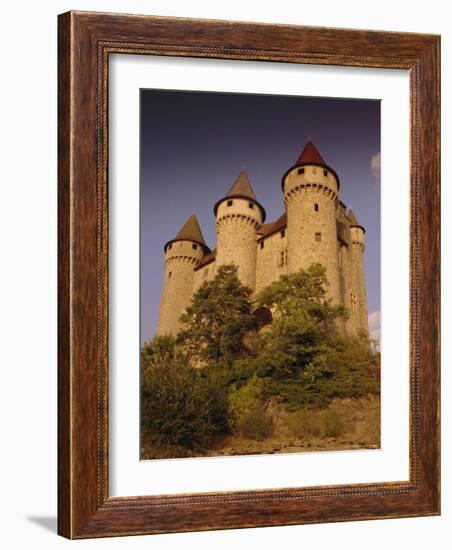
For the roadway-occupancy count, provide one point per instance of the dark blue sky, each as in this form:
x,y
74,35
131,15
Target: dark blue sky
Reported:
x,y
194,144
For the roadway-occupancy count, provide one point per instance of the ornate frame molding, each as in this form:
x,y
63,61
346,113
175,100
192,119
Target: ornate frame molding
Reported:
x,y
85,42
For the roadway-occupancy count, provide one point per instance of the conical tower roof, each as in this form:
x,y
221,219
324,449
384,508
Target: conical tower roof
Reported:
x,y
353,220
351,216
310,155
242,187
191,231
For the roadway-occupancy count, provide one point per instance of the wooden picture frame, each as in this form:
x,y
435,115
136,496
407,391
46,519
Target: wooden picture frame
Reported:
x,y
86,40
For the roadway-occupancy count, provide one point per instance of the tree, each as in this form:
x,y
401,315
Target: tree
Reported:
x,y
218,318
179,407
303,322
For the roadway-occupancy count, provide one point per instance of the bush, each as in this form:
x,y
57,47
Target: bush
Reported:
x,y
248,417
256,424
179,407
304,424
332,424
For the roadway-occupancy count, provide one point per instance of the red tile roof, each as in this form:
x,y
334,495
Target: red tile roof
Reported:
x,y
310,155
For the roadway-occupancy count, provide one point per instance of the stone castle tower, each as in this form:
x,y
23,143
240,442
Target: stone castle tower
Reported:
x,y
316,227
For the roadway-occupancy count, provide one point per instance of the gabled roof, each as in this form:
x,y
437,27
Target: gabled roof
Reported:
x,y
310,155
191,231
267,229
242,187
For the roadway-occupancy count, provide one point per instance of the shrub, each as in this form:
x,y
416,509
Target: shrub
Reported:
x,y
304,424
256,424
248,416
332,424
179,407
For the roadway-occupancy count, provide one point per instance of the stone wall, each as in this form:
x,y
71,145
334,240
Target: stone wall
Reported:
x,y
236,225
310,196
272,259
181,258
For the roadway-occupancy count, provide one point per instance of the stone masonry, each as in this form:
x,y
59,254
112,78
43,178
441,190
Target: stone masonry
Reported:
x,y
316,227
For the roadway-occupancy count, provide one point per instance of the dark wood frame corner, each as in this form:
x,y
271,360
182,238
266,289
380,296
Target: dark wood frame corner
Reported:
x,y
85,42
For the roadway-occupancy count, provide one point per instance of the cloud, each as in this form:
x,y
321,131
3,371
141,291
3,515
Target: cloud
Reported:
x,y
375,164
374,325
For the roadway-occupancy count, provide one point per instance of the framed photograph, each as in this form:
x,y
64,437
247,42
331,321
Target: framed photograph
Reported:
x,y
248,275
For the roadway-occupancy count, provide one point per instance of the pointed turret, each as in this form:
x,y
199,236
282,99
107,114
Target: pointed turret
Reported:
x,y
310,190
351,216
241,189
190,231
182,255
353,220
310,155
238,217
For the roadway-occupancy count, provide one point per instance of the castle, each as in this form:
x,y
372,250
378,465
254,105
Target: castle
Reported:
x,y
316,227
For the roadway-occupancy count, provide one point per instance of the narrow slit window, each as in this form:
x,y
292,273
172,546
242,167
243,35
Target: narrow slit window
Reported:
x,y
250,205
169,274
262,244
318,237
282,258
325,173
316,207
283,233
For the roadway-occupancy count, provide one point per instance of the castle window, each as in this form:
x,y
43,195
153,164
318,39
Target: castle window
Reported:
x,y
283,233
318,237
194,246
169,274
262,244
316,207
314,170
353,301
170,247
250,205
300,171
325,172
282,258
229,203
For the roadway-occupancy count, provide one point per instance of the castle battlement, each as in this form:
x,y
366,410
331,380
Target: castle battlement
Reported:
x,y
316,227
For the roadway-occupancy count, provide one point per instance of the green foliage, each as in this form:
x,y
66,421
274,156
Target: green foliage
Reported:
x,y
332,424
218,318
342,370
304,321
248,416
179,407
300,360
